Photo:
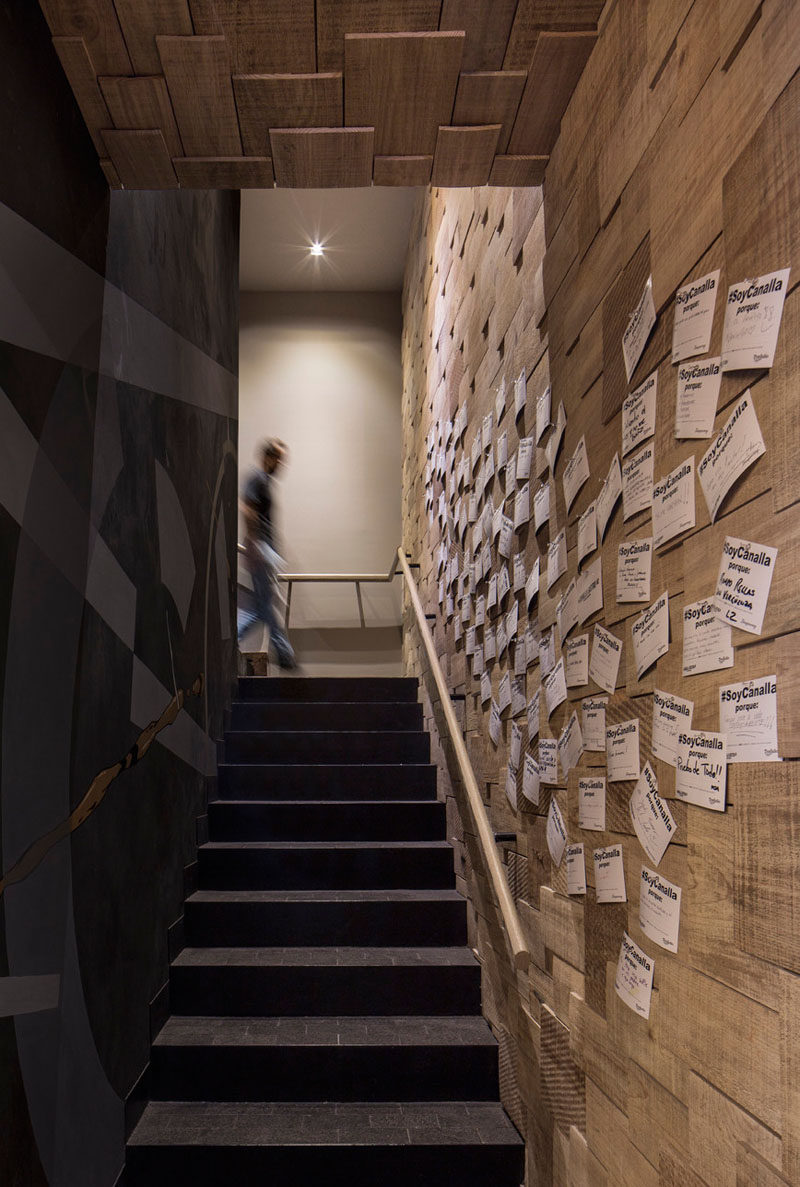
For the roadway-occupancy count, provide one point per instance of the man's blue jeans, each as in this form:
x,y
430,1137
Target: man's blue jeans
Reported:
x,y
262,563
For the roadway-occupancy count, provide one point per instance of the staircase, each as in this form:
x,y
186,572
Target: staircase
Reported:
x,y
326,1013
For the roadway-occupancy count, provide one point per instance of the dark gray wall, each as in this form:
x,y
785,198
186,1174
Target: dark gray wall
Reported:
x,y
118,405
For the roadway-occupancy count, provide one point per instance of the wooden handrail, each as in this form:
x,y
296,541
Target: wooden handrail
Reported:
x,y
508,910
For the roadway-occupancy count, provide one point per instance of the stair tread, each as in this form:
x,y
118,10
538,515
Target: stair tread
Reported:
x,y
324,957
260,1123
365,1031
297,845
326,896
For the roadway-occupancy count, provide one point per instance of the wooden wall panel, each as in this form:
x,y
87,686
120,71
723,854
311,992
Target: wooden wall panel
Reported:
x,y
464,156
335,18
403,85
274,38
97,24
198,76
267,101
487,28
557,64
142,103
320,158
144,20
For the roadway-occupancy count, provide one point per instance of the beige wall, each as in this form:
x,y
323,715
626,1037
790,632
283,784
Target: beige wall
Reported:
x,y
677,156
322,371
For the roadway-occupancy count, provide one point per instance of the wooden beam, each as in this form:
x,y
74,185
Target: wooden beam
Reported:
x,y
402,170
489,97
557,64
518,171
144,20
487,25
96,23
142,103
335,18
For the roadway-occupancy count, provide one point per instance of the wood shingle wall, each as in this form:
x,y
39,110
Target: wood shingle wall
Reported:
x,y
678,155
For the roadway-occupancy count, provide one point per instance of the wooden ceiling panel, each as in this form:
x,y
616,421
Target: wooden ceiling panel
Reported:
x,y
144,20
486,24
224,173
269,101
557,64
96,23
263,36
403,85
198,75
337,17
81,77
322,158
536,16
464,156
142,103
141,159
112,177
212,77
490,97
402,170
518,171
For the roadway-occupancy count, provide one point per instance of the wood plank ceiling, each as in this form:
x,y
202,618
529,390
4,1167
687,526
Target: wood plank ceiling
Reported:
x,y
247,93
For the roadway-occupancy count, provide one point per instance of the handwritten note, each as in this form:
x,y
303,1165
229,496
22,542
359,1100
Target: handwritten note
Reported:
x,y
702,769
639,414
673,503
634,977
694,317
634,564
698,392
743,584
738,445
638,329
752,321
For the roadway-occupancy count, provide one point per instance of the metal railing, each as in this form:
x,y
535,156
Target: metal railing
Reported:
x,y
486,839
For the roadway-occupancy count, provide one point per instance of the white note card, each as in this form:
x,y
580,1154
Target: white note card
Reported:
x,y
622,751
541,506
694,316
533,714
556,832
637,483
494,722
542,413
556,558
702,769
707,645
592,803
547,651
672,715
570,744
548,760
532,584
609,875
659,909
638,329
743,584
504,693
604,662
634,565
610,492
576,869
652,819
576,472
738,445
530,779
555,687
587,532
673,503
511,786
650,635
567,609
554,443
639,414
590,590
634,978
752,321
748,717
577,663
519,393
698,392
524,455
593,712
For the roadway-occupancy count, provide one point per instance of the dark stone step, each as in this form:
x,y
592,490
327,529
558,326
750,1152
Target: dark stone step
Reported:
x,y
314,1059
327,688
326,746
326,715
334,781
241,982
338,865
416,918
394,1144
322,820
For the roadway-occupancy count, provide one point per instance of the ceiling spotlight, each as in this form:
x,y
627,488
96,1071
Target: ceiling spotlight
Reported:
x,y
316,249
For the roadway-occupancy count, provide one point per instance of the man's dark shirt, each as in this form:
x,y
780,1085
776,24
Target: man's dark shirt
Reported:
x,y
258,495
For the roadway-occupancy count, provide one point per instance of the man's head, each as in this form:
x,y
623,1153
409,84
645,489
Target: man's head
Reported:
x,y
273,454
